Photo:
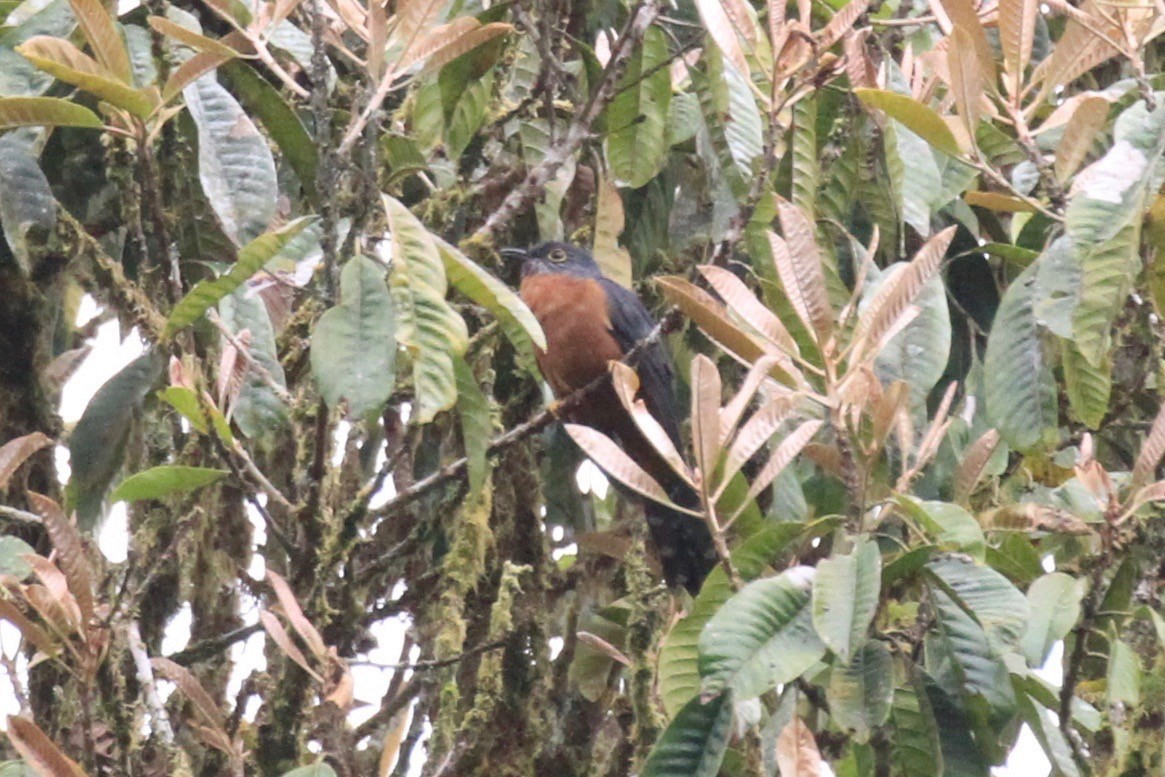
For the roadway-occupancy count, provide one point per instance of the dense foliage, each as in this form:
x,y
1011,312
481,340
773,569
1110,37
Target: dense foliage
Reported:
x,y
905,258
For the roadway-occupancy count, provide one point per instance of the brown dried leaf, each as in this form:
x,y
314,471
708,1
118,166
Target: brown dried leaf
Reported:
x,y
1080,48
201,702
933,437
29,630
1152,449
377,37
797,753
281,638
39,752
604,543
613,259
15,452
299,621
896,295
626,383
858,66
885,411
741,299
711,317
705,416
393,738
966,79
733,411
70,550
1017,28
104,37
723,34
753,435
603,646
974,462
1031,516
782,457
808,269
841,23
964,14
617,464
448,42
1087,121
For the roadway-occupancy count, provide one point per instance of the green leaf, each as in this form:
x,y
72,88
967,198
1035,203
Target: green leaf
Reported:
x,y
65,62
235,164
44,112
915,747
1104,218
283,125
948,523
468,114
977,667
919,118
431,330
104,38
12,551
26,199
158,482
185,401
986,595
475,282
1046,730
804,155
694,743
251,259
637,140
679,672
845,597
476,423
860,694
590,669
731,116
1054,604
1124,674
1088,387
353,349
258,411
1020,387
761,637
97,444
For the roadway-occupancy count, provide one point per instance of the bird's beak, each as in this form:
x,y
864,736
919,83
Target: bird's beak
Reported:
x,y
514,254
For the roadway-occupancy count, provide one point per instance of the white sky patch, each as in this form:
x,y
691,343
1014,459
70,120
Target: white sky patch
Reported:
x,y
592,480
177,634
109,356
114,537
1107,179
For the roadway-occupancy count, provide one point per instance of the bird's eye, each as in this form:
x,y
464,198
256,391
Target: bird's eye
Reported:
x,y
557,255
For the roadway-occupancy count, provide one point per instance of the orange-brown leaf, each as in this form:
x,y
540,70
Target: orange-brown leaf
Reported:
x,y
754,434
38,751
281,638
741,299
974,462
1087,121
966,79
626,383
71,556
782,457
617,464
104,39
201,702
1152,449
705,415
711,317
807,266
15,452
303,627
841,23
797,753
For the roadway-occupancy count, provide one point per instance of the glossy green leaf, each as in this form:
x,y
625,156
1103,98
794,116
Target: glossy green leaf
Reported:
x,y
251,259
258,410
1020,386
1124,674
845,597
731,116
694,743
948,523
427,326
915,746
761,637
26,199
1088,387
157,482
279,119
919,118
97,443
475,282
185,401
12,552
353,350
977,667
320,769
989,597
235,164
476,423
44,112
637,139
1054,604
860,693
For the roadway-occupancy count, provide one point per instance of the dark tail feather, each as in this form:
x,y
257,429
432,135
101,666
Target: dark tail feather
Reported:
x,y
683,543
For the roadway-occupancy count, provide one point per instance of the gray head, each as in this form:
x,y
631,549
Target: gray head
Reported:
x,y
554,258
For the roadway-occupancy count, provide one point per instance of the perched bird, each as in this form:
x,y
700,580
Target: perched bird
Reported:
x,y
589,321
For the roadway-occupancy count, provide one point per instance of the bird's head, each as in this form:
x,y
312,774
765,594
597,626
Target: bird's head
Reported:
x,y
554,258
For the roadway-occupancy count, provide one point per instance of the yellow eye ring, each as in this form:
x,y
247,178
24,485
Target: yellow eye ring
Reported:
x,y
557,255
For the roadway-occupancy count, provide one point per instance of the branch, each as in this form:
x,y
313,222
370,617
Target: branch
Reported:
x,y
145,676
542,173
207,648
527,428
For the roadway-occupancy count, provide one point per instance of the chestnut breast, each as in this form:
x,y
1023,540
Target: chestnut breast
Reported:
x,y
573,314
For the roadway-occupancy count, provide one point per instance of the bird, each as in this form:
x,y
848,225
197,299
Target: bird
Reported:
x,y
589,321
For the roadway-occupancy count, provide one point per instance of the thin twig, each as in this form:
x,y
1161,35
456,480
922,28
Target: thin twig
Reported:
x,y
208,648
252,363
14,514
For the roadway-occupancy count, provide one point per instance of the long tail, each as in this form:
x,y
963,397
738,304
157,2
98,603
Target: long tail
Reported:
x,y
683,543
